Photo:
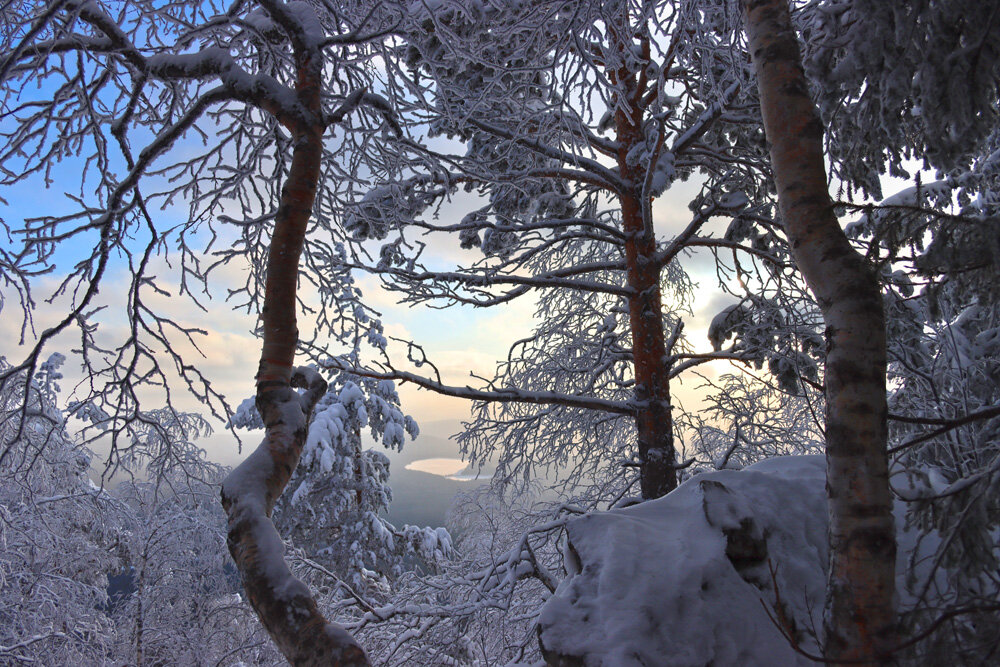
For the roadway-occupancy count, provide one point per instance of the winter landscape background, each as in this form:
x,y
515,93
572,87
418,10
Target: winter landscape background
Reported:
x,y
492,332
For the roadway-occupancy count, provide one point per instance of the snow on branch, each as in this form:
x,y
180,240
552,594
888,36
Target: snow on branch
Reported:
x,y
501,395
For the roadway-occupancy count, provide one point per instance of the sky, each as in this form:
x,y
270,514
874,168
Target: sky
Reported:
x,y
459,340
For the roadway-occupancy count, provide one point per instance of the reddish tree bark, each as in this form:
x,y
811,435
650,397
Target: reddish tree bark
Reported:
x,y
654,419
860,618
284,604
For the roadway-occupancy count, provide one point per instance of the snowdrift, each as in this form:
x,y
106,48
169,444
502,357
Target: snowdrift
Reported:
x,y
703,576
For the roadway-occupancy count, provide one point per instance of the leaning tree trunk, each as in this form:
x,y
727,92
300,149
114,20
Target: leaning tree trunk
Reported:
x,y
283,603
860,619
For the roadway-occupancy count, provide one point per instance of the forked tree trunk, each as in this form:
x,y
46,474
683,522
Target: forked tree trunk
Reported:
x,y
283,603
860,618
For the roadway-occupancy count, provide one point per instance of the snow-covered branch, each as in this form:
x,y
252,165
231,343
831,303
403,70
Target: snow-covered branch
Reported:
x,y
497,395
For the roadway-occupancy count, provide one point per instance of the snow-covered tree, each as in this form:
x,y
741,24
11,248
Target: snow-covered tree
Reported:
x,y
55,532
744,419
581,347
894,83
480,607
902,83
333,510
938,265
126,90
576,118
130,575
910,91
181,602
860,623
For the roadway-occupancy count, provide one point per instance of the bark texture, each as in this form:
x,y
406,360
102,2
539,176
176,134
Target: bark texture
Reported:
x,y
284,604
860,619
654,418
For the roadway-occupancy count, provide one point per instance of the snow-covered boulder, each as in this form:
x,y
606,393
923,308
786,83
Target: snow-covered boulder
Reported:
x,y
703,576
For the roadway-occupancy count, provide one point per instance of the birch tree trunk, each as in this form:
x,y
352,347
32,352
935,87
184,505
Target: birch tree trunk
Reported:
x,y
283,603
860,619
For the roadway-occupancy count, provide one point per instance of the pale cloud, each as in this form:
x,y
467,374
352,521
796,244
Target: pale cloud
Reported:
x,y
375,295
427,406
460,340
397,330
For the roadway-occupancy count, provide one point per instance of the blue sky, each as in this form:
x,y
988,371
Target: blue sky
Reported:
x,y
458,339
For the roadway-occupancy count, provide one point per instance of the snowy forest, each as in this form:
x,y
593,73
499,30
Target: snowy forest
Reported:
x,y
742,258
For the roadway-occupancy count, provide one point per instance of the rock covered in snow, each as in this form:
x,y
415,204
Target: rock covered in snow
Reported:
x,y
704,575
679,580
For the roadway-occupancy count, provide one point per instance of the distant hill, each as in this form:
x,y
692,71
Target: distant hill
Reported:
x,y
420,498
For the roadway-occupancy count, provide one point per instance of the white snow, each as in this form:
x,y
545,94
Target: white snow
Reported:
x,y
305,15
723,324
652,584
246,486
664,173
260,21
246,415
